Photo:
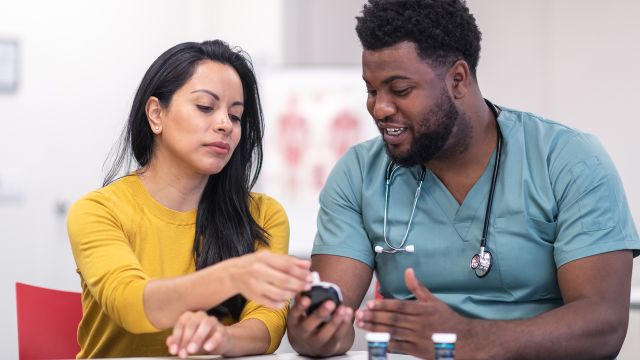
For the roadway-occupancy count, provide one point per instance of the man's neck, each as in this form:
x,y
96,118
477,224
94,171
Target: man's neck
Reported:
x,y
461,171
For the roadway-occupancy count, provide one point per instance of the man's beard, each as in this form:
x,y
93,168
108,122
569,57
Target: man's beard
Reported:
x,y
426,144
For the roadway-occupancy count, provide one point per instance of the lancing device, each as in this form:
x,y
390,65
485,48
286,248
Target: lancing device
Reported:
x,y
322,291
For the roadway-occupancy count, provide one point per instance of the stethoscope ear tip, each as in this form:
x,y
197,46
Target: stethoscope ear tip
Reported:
x,y
378,249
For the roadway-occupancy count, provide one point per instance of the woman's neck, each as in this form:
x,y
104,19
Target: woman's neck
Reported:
x,y
174,189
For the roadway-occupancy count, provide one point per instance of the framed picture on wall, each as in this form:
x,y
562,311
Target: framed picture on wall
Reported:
x,y
8,65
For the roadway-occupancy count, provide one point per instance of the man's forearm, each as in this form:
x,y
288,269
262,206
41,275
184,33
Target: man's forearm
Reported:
x,y
583,329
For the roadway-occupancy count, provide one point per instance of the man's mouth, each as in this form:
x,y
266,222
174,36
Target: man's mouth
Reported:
x,y
394,131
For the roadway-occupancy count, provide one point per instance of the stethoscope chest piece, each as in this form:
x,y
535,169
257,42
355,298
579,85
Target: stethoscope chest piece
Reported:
x,y
481,263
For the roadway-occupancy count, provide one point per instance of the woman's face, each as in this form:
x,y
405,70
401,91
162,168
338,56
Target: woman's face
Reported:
x,y
200,129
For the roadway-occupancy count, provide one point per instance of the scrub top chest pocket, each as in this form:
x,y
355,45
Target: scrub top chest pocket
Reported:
x,y
523,250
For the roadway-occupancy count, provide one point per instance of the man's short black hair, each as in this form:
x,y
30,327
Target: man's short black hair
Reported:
x,y
444,31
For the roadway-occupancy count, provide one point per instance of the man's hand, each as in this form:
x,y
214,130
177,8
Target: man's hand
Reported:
x,y
322,332
329,330
410,323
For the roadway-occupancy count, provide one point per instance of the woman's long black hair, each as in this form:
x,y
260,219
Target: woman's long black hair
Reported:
x,y
224,225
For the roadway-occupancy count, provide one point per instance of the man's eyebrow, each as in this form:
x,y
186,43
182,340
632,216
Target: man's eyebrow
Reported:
x,y
389,79
394,78
215,96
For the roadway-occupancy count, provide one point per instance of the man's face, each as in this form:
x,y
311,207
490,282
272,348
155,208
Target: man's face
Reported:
x,y
409,102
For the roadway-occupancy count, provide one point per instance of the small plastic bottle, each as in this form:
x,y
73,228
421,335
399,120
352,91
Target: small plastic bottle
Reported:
x,y
444,345
377,343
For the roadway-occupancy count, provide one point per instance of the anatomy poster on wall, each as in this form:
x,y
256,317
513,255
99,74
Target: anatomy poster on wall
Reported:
x,y
312,117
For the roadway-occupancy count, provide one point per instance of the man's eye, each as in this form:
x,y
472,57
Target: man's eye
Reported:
x,y
402,92
371,92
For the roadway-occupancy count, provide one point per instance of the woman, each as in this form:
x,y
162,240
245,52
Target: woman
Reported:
x,y
176,237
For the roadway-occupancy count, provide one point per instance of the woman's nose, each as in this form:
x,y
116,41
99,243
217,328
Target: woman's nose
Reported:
x,y
223,123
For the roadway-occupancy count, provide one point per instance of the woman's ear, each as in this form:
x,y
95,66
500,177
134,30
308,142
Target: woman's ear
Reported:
x,y
460,79
153,108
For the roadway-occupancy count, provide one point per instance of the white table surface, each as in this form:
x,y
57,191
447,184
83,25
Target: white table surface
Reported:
x,y
351,355
635,298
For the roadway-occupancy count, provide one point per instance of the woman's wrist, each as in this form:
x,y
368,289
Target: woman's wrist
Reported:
x,y
227,276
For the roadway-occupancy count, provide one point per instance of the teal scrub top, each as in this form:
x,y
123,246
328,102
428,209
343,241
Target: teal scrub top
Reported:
x,y
558,198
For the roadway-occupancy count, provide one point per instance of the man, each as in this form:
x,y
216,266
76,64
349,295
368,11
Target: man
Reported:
x,y
507,229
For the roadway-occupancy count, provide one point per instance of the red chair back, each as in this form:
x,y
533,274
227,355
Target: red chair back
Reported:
x,y
376,294
47,322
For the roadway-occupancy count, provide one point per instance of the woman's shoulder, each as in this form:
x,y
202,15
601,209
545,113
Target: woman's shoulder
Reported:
x,y
271,216
261,203
116,194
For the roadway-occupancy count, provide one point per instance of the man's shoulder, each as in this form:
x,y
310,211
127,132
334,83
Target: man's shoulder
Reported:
x,y
539,133
534,124
373,145
357,164
372,150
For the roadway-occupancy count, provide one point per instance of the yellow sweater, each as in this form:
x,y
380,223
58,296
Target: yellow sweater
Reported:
x,y
121,238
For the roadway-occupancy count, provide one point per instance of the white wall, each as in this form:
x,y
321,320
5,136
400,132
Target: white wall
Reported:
x,y
570,60
576,62
81,62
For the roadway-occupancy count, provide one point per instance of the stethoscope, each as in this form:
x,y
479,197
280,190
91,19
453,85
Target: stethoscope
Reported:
x,y
480,262
391,168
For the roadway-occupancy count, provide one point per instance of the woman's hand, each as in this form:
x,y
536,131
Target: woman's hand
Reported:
x,y
197,333
269,279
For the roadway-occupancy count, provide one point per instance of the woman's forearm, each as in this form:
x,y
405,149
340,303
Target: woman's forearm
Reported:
x,y
166,299
248,337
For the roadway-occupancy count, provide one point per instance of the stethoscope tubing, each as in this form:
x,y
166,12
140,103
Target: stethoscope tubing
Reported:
x,y
481,269
389,174
492,190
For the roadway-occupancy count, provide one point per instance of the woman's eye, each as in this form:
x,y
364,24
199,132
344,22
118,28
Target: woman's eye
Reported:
x,y
235,118
205,108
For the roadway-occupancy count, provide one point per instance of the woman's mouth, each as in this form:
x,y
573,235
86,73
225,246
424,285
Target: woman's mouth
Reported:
x,y
219,147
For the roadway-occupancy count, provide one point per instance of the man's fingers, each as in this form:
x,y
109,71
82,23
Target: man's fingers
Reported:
x,y
414,285
390,318
318,317
402,347
327,331
397,306
395,332
337,332
298,310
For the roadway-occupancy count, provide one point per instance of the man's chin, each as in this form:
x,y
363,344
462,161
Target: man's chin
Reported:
x,y
402,158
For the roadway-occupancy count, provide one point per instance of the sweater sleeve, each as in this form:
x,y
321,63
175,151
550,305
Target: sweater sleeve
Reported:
x,y
107,263
273,219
